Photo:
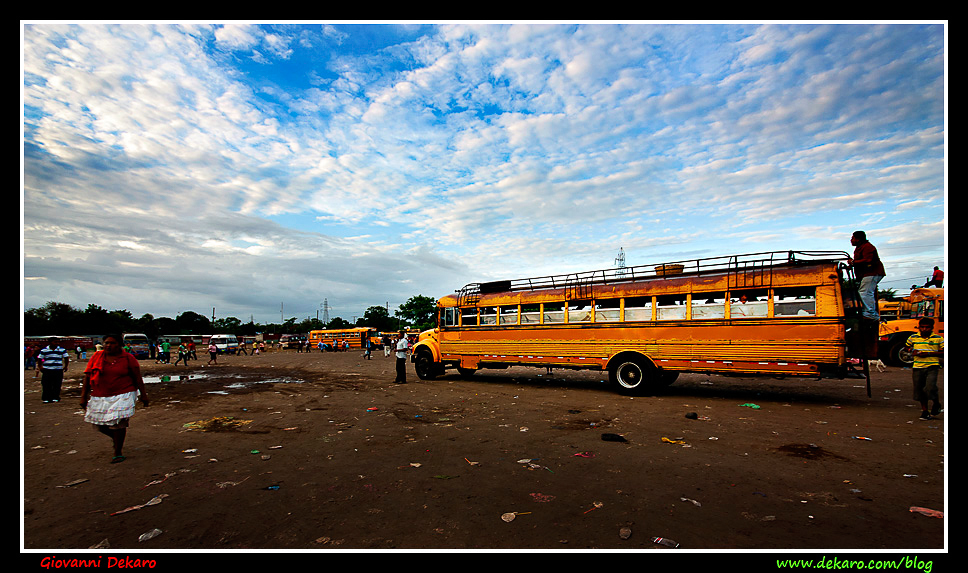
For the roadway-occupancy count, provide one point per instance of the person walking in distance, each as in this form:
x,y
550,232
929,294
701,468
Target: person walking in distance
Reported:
x,y
402,346
52,361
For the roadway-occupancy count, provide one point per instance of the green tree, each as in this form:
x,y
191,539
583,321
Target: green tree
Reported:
x,y
338,323
190,322
227,325
419,311
378,318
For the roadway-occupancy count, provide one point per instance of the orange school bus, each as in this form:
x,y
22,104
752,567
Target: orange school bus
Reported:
x,y
922,302
352,337
777,313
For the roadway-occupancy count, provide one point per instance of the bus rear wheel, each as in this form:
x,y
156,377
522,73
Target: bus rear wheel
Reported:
x,y
633,376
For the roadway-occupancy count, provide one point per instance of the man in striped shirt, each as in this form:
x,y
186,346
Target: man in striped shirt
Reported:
x,y
52,363
927,349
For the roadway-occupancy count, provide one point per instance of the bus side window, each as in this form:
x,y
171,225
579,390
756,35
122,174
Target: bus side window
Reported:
x,y
509,314
709,305
468,316
554,312
579,311
638,308
798,301
449,317
748,303
530,313
489,315
671,307
609,310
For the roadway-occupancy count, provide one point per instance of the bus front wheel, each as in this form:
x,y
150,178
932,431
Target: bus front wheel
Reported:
x,y
633,376
901,354
425,366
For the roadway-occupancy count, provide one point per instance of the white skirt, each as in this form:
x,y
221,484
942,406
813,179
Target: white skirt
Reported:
x,y
109,410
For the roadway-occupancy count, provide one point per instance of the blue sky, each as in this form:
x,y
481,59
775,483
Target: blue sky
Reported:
x,y
262,169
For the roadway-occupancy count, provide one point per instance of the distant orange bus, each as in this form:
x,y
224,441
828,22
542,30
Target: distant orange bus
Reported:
x,y
923,302
777,313
352,337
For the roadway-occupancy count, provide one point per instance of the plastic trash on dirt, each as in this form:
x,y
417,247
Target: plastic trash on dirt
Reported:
x,y
216,424
149,534
926,511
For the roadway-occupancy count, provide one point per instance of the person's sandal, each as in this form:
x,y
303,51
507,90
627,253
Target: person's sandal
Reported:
x,y
117,459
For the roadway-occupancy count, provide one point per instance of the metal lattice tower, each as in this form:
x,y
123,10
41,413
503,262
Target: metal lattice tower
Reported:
x,y
620,262
325,311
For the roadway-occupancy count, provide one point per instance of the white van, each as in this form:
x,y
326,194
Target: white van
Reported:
x,y
138,343
225,343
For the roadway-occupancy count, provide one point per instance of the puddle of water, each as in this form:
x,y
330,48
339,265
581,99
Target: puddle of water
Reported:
x,y
173,378
244,383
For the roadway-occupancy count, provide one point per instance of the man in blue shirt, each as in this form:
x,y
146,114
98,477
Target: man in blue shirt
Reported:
x,y
52,363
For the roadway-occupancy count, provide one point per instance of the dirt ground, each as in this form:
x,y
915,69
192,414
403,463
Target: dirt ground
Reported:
x,y
311,451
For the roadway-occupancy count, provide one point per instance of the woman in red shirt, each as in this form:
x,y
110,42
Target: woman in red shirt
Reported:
x,y
112,382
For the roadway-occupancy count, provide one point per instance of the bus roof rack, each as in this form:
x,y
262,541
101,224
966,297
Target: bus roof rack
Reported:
x,y
580,283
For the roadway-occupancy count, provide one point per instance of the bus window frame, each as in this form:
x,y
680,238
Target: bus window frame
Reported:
x,y
648,309
715,310
753,308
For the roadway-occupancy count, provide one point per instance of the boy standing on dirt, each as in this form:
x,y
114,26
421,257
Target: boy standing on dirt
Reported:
x,y
927,349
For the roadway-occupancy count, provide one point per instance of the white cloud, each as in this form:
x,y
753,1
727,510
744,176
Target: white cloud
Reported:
x,y
492,148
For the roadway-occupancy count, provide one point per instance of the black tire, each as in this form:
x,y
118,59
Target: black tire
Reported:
x,y
667,377
901,354
633,376
425,366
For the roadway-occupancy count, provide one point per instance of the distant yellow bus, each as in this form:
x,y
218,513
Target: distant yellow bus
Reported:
x,y
778,313
922,302
352,337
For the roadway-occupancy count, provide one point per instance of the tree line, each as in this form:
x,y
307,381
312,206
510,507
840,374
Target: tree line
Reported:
x,y
61,319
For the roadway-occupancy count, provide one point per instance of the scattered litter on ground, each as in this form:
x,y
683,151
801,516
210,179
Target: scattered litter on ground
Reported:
x,y
153,501
692,501
216,424
75,482
149,534
749,405
613,438
926,511
158,481
225,484
541,497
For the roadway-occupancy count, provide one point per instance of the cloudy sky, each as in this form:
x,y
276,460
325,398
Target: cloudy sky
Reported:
x,y
261,170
